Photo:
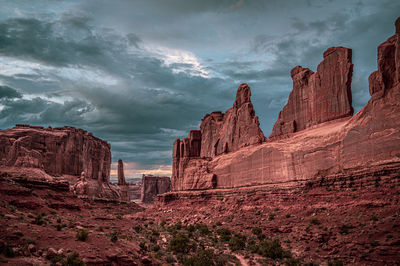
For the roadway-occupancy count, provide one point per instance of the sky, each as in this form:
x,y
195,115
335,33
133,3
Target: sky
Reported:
x,y
141,73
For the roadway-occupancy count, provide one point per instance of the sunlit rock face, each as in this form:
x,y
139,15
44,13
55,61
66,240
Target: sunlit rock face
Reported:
x,y
315,135
318,97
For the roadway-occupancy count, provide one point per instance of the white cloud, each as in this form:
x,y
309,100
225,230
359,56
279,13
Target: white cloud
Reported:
x,y
180,60
10,67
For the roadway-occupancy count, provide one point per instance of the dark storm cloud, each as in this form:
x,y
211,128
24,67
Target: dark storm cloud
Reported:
x,y
142,73
8,92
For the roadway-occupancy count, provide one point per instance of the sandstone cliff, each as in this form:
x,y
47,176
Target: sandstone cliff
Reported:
x,y
57,151
318,97
64,153
325,139
219,133
154,185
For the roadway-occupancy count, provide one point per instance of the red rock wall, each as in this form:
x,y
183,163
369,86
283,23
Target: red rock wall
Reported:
x,y
154,185
57,151
318,97
237,128
367,141
219,133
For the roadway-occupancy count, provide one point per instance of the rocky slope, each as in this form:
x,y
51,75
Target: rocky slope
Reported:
x,y
315,134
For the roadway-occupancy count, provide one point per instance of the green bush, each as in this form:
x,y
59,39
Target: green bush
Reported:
x,y
271,249
180,243
315,221
203,229
73,260
82,234
114,236
225,234
203,257
256,231
39,219
237,242
335,263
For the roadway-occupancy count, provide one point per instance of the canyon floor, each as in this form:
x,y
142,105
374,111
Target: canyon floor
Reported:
x,y
322,223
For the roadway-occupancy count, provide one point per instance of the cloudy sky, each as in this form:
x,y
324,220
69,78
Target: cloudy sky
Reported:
x,y
141,73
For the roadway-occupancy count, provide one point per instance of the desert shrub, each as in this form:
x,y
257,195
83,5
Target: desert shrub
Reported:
x,y
142,245
178,225
190,228
237,242
335,263
225,234
170,259
256,231
271,249
287,215
7,250
82,234
73,260
162,223
155,232
271,216
114,236
374,217
203,229
315,221
345,229
218,223
203,257
179,243
39,219
292,262
156,248
137,228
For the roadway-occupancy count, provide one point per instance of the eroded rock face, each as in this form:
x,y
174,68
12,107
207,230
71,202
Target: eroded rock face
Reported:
x,y
219,133
57,151
237,128
366,142
154,185
318,97
63,153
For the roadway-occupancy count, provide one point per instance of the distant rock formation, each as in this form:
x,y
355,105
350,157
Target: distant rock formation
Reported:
x,y
219,133
154,185
315,135
121,175
135,190
123,186
63,153
57,151
318,97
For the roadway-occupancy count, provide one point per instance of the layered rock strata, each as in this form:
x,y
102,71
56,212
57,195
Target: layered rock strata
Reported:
x,y
153,186
59,154
325,139
318,97
57,151
219,133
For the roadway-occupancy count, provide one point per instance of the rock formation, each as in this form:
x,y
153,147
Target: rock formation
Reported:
x,y
219,133
121,175
57,151
123,186
318,97
154,185
59,154
325,139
